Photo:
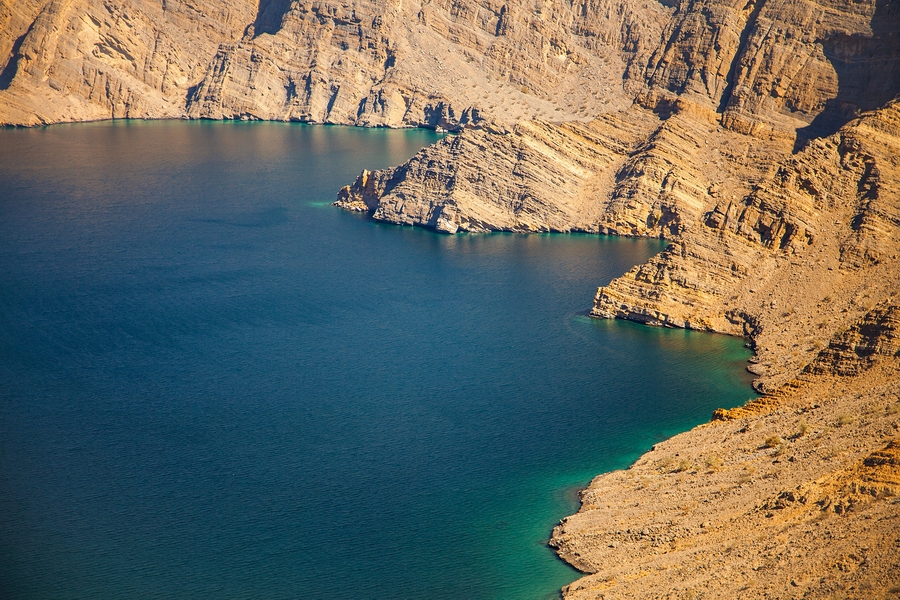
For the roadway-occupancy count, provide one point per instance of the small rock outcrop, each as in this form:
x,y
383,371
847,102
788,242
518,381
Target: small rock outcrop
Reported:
x,y
857,349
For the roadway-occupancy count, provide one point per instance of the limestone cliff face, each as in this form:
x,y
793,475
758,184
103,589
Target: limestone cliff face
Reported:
x,y
765,68
364,62
776,65
807,252
447,187
432,63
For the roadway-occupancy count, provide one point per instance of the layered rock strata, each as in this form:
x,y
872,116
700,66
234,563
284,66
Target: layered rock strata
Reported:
x,y
763,67
431,63
363,62
805,254
755,185
77,60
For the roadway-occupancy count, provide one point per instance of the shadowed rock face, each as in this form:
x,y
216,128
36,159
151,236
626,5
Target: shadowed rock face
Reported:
x,y
867,68
269,16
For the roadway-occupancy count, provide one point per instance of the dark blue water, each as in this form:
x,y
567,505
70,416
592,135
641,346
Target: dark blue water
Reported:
x,y
215,385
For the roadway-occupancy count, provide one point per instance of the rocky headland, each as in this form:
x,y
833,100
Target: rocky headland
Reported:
x,y
760,138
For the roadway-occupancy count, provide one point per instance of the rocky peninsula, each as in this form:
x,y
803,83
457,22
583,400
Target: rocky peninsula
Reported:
x,y
760,138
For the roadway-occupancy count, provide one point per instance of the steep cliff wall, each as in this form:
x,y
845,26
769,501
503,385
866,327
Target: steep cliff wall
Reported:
x,y
811,248
763,67
431,63
372,62
75,60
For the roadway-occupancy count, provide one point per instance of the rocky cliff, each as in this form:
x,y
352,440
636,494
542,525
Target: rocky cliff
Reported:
x,y
363,62
76,60
760,137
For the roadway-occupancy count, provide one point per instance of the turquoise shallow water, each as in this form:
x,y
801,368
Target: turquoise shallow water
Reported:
x,y
215,385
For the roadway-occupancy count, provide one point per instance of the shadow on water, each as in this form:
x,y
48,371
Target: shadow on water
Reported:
x,y
868,72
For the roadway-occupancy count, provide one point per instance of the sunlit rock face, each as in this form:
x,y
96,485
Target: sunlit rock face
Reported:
x,y
366,63
760,67
760,137
762,140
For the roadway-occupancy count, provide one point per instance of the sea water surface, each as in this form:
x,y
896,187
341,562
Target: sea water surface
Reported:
x,y
215,385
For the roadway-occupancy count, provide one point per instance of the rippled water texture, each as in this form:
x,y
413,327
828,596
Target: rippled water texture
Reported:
x,y
215,385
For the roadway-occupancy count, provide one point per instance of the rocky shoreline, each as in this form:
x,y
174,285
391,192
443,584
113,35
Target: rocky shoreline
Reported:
x,y
795,495
738,507
801,260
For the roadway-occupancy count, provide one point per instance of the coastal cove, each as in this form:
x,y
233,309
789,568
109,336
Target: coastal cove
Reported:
x,y
217,384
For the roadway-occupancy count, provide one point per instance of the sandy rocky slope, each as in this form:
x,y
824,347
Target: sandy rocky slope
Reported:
x,y
761,138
